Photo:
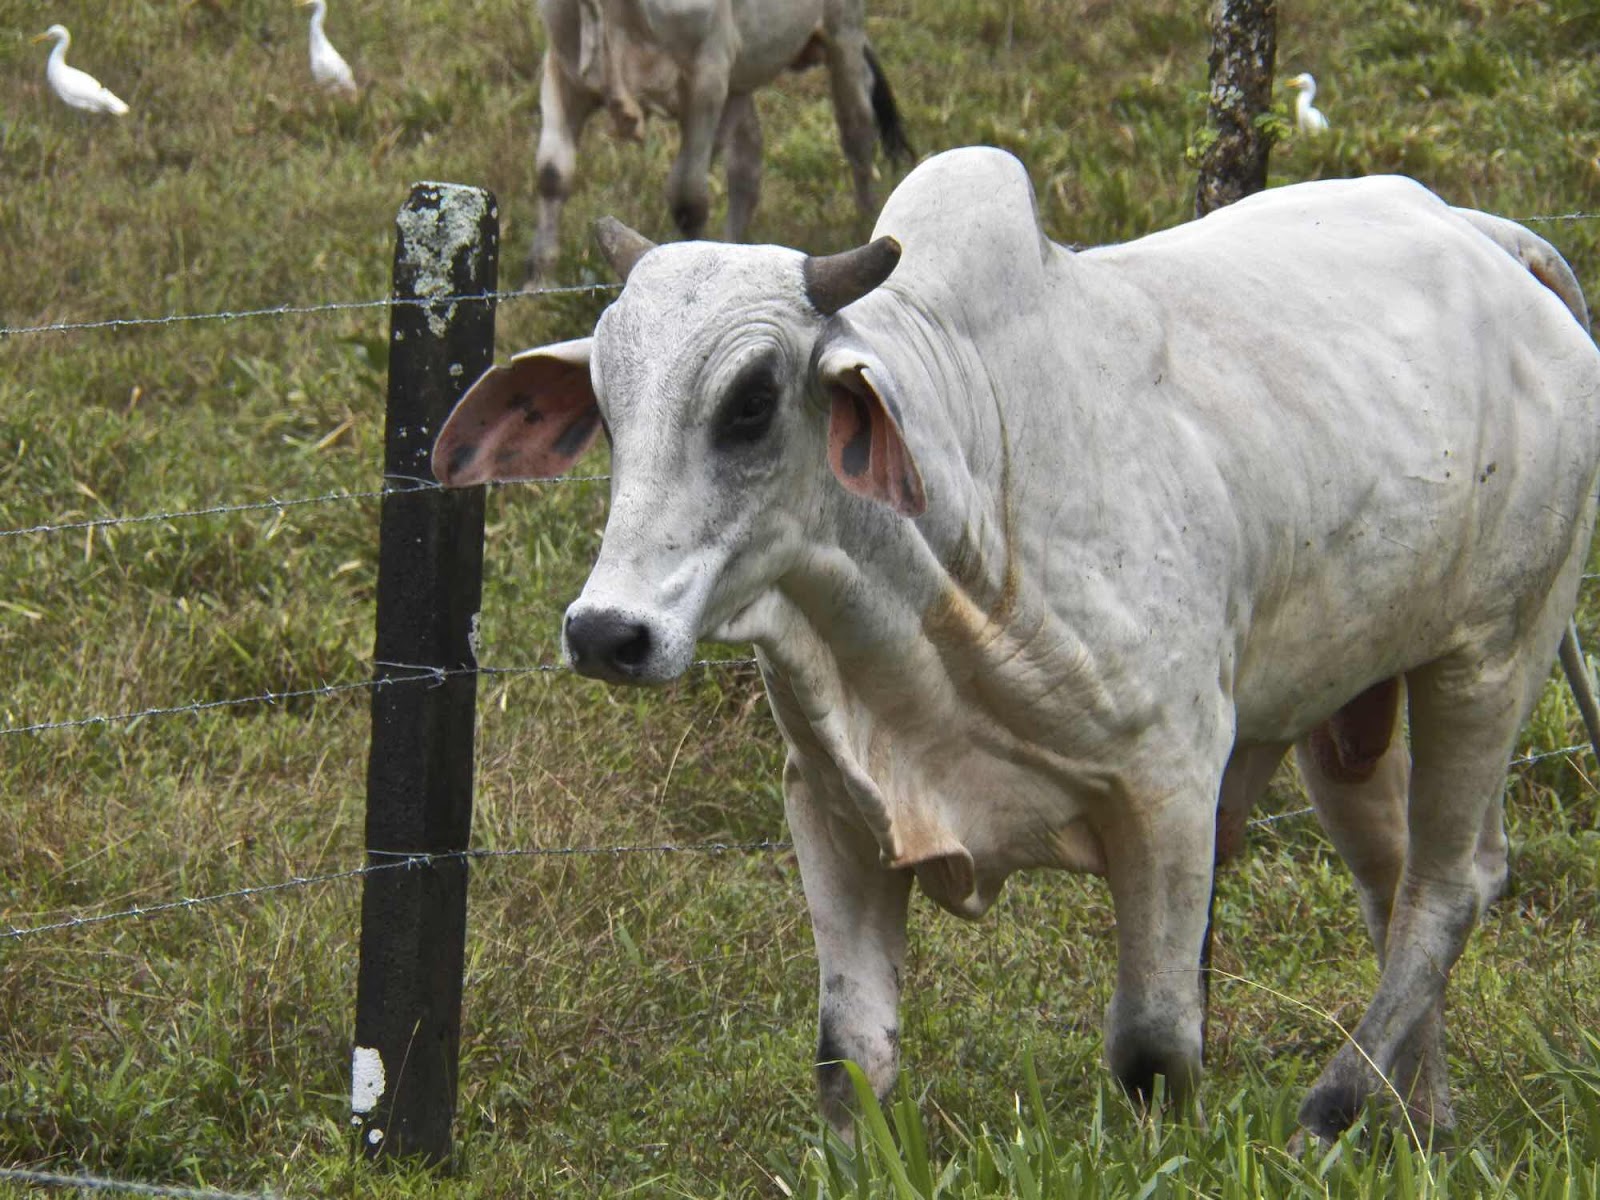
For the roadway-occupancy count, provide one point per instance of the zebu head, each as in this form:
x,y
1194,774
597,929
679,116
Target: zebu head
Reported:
x,y
723,402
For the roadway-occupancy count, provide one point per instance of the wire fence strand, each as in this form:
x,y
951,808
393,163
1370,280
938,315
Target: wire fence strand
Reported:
x,y
96,1183
273,504
293,310
333,306
421,673
199,706
1570,216
394,860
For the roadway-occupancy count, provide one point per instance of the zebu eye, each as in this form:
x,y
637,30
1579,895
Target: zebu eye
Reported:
x,y
747,413
752,414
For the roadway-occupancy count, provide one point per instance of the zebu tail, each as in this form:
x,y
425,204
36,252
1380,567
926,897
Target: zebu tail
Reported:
x,y
1576,669
1543,261
1546,265
886,114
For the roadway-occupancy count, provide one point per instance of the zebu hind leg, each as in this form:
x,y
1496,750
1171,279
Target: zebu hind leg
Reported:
x,y
1357,768
1465,712
740,139
858,918
850,80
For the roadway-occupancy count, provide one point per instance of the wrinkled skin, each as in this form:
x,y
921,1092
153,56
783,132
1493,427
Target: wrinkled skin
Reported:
x,y
1050,557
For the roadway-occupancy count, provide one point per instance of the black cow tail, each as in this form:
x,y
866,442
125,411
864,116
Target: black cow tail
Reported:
x,y
887,114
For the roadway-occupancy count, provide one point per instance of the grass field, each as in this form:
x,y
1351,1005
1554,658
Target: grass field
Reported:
x,y
644,1024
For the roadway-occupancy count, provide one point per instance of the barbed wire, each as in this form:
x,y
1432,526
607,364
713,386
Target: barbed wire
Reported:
x,y
332,689
1274,818
1571,216
1526,759
96,1183
272,503
276,505
401,860
423,673
398,860
328,306
1522,761
290,310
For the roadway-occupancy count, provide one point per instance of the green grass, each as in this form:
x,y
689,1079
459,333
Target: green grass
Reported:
x,y
637,1025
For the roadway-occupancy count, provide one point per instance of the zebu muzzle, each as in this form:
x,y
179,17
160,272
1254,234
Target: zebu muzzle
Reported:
x,y
622,644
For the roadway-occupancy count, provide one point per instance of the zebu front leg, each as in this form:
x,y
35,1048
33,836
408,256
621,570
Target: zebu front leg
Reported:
x,y
1159,859
564,107
858,918
704,92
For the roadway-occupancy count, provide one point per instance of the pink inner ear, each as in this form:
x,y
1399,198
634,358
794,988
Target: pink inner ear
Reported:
x,y
531,418
866,450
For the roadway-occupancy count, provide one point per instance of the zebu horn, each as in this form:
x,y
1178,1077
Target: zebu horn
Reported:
x,y
839,279
623,247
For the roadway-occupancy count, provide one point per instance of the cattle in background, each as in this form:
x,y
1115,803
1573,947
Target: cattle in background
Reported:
x,y
699,61
1048,555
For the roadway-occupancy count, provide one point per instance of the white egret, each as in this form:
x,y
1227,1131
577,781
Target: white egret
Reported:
x,y
1308,118
328,66
78,88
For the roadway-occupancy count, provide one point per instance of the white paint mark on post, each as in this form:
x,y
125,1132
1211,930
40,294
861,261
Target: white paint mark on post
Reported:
x,y
366,1080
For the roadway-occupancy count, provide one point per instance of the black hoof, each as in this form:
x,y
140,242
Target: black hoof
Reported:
x,y
1331,1108
1138,1079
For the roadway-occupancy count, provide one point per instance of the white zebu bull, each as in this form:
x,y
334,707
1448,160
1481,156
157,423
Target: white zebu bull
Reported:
x,y
700,60
1116,528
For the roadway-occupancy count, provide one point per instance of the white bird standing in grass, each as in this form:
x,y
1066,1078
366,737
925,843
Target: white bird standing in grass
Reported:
x,y
328,66
78,88
1308,118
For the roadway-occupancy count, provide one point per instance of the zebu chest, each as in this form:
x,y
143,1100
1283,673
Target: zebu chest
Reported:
x,y
966,753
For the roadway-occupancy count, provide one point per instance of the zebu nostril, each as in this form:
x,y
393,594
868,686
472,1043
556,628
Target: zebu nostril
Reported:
x,y
607,644
636,650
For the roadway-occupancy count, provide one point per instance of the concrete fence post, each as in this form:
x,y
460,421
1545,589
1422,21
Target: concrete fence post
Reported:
x,y
419,772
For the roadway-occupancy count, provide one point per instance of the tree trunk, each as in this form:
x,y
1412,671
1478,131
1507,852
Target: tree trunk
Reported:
x,y
1244,47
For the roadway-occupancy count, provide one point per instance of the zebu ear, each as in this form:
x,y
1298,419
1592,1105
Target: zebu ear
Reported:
x,y
866,443
533,417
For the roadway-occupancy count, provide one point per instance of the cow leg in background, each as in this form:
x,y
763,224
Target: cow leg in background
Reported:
x,y
1465,713
704,93
1159,866
740,139
1357,768
858,917
564,107
851,81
